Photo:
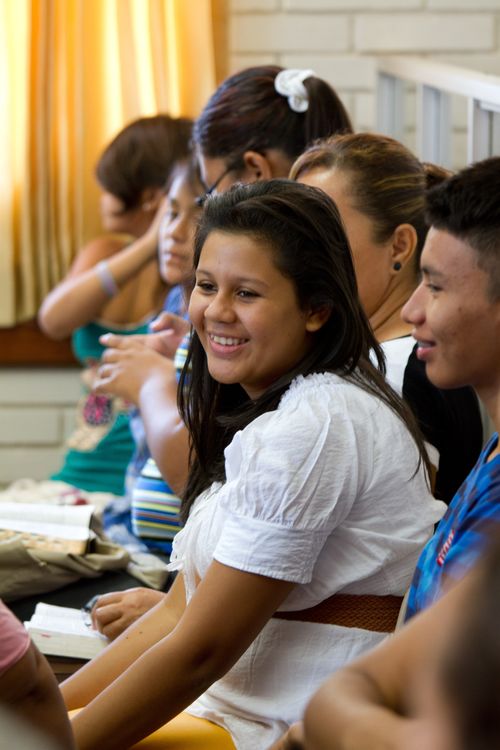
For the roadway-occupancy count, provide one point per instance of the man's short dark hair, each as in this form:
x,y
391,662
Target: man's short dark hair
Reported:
x,y
467,205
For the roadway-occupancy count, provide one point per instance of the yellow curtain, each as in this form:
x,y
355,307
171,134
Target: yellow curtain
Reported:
x,y
72,73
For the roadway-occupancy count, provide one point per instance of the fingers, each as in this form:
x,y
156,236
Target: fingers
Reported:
x,y
108,615
114,626
115,341
165,343
105,376
157,219
111,355
162,322
103,615
112,340
166,320
114,612
110,598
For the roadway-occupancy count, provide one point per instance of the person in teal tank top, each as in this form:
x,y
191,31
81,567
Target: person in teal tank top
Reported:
x,y
114,286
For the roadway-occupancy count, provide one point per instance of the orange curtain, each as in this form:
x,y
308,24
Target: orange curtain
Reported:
x,y
72,73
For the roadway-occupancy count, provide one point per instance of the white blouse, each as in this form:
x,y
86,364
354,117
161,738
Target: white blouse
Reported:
x,y
324,492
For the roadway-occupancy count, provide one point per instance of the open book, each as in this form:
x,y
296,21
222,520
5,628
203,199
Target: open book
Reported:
x,y
60,528
62,631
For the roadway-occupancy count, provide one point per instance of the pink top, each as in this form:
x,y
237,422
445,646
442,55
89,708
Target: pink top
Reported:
x,y
14,640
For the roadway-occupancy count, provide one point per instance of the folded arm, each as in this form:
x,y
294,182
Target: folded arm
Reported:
x,y
81,296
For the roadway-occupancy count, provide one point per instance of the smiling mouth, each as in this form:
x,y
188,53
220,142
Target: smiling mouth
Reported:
x,y
423,348
424,343
226,340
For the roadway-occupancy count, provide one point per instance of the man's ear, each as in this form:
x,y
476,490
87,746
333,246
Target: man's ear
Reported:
x,y
257,166
403,245
317,318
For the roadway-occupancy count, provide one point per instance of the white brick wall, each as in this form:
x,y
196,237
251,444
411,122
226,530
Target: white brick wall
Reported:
x,y
340,40
430,32
36,415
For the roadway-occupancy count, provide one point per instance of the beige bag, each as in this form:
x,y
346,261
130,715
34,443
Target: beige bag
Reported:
x,y
27,572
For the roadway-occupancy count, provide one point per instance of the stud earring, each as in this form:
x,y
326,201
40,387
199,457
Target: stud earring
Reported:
x,y
397,266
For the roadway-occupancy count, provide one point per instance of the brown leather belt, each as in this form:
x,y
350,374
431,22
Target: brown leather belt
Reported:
x,y
366,611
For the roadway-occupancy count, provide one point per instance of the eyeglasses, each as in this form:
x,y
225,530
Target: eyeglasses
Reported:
x,y
200,199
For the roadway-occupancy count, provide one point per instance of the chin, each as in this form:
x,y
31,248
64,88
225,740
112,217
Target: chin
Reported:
x,y
445,381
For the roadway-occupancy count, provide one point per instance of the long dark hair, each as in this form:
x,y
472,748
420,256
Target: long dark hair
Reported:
x,y
302,228
247,113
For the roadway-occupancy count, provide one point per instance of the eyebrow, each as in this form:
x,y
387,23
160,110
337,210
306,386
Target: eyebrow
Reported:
x,y
239,279
429,271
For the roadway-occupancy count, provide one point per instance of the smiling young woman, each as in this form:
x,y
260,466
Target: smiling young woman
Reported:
x,y
246,315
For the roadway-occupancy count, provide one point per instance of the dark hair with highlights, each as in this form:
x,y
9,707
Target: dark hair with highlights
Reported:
x,y
467,206
387,183
302,229
247,113
142,156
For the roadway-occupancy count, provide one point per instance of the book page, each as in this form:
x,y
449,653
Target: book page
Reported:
x,y
54,521
52,610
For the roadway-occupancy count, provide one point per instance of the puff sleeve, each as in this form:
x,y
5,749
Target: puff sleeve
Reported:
x,y
292,477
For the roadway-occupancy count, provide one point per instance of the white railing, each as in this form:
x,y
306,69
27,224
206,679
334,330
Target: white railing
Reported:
x,y
436,82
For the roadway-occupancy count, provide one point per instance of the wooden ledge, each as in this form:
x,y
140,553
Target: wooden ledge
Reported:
x,y
25,345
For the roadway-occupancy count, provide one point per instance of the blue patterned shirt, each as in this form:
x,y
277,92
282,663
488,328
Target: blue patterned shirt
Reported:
x,y
461,536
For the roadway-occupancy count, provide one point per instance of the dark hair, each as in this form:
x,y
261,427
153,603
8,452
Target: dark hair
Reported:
x,y
388,182
247,113
303,230
142,155
467,206
470,673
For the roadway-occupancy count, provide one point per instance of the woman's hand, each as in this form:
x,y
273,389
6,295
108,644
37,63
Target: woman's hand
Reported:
x,y
168,332
139,374
127,366
150,236
114,612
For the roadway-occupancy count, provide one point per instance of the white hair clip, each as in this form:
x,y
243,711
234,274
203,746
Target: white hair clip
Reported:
x,y
290,83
